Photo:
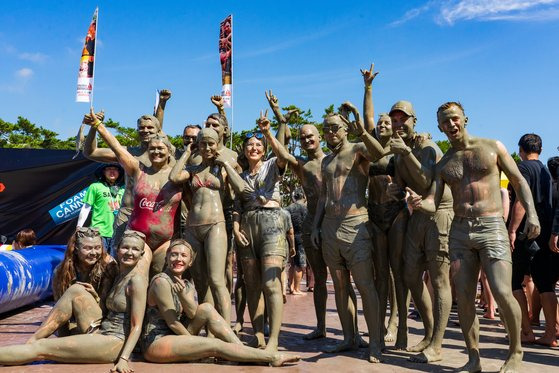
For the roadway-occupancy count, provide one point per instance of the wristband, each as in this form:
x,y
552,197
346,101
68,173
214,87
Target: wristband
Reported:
x,y
123,358
368,87
96,123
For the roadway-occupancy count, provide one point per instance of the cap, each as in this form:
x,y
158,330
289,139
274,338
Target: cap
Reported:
x,y
404,106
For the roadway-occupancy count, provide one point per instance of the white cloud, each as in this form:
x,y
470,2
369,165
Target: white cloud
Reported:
x,y
448,12
413,13
24,73
493,9
21,78
35,57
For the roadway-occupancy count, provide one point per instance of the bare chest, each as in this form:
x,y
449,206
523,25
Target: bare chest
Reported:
x,y
468,164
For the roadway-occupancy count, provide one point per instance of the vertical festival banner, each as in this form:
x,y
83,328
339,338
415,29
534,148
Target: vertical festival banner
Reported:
x,y
85,74
226,59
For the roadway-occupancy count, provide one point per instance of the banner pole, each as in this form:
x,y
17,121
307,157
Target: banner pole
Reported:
x,y
94,56
232,96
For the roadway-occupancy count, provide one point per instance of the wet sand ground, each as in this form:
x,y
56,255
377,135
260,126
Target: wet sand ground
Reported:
x,y
298,320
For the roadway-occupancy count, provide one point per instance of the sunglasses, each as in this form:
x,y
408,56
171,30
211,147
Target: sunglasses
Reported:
x,y
256,134
131,233
82,232
332,129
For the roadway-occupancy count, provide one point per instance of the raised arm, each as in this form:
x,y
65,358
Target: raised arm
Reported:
x,y
178,174
218,103
130,164
235,180
136,293
523,193
164,96
283,156
284,134
90,149
373,150
368,106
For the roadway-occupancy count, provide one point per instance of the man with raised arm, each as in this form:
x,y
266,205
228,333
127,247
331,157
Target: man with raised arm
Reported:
x,y
471,168
426,246
308,170
342,224
147,126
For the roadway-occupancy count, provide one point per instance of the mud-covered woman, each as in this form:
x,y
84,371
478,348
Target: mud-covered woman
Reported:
x,y
208,184
174,319
156,198
114,340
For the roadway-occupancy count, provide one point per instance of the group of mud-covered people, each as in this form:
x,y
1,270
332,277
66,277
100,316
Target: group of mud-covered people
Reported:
x,y
184,218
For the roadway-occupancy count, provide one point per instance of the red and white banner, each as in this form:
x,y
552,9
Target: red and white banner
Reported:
x,y
85,75
226,59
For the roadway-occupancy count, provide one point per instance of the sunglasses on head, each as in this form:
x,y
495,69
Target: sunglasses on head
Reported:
x,y
87,232
256,134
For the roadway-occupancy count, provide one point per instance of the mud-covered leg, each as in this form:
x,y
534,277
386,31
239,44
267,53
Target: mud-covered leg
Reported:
x,y
207,316
499,275
396,241
75,301
85,348
255,300
271,279
382,271
171,349
342,284
216,256
240,296
363,278
466,272
320,293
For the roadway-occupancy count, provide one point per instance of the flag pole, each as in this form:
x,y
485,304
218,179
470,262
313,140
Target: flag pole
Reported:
x,y
232,96
94,56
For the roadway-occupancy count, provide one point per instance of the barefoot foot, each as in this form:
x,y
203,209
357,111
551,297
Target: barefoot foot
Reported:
x,y
429,355
281,359
473,366
360,342
315,334
513,363
237,328
420,346
390,335
401,339
527,337
257,342
375,355
547,341
340,347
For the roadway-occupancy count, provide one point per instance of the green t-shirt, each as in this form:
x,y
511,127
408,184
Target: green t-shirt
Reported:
x,y
103,207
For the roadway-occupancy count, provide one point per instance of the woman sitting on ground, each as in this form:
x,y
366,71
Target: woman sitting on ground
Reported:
x,y
85,275
120,330
166,339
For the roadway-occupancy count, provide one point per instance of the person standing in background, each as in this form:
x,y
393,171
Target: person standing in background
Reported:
x,y
102,199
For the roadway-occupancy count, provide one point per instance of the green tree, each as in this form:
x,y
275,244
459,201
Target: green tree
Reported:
x,y
24,134
516,157
444,145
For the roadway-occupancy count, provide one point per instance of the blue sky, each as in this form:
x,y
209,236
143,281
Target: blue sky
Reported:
x,y
499,58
